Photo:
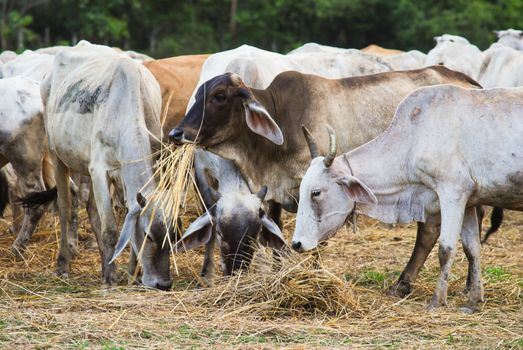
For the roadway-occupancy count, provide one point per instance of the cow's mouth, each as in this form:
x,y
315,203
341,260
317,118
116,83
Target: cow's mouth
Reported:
x,y
178,137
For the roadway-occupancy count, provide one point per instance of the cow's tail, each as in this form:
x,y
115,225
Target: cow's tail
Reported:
x,y
496,218
4,192
37,199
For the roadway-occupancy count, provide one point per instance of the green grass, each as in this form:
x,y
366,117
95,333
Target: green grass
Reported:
x,y
497,273
372,278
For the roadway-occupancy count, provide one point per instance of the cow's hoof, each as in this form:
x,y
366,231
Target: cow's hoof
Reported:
x,y
467,309
73,250
436,304
62,272
399,289
205,282
91,244
18,251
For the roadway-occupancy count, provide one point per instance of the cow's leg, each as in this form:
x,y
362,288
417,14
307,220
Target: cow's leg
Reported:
x,y
72,232
452,213
29,173
109,234
16,211
94,219
207,273
426,237
472,247
64,209
274,213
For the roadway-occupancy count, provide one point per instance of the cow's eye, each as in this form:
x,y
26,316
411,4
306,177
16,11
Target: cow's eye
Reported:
x,y
315,193
219,98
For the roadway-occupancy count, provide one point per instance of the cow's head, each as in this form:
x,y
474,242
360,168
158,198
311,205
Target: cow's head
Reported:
x,y
144,227
222,107
238,219
328,193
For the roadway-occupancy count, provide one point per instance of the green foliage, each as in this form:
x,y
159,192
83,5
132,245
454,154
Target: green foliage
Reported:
x,y
173,27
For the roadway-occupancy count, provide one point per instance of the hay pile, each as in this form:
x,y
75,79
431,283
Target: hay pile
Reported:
x,y
295,286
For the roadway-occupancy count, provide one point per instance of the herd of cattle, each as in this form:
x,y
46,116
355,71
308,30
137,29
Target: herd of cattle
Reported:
x,y
418,140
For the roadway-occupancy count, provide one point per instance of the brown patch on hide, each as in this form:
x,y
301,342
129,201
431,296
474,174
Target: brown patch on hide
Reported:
x,y
414,115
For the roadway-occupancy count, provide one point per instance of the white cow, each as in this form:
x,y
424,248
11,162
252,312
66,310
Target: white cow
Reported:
x,y
502,67
101,109
511,37
259,67
29,64
22,144
457,54
429,162
7,56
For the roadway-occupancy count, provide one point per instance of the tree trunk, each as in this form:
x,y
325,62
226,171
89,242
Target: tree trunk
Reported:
x,y
20,39
47,36
232,21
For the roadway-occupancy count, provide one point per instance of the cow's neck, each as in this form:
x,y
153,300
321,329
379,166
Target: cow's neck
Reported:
x,y
136,167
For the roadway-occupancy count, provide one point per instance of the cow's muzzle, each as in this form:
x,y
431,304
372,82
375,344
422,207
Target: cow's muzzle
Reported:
x,y
176,135
297,246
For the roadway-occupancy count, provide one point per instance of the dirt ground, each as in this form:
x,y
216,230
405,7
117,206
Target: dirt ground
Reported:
x,y
40,310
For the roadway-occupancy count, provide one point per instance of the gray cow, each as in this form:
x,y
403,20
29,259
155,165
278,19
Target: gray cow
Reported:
x,y
429,163
234,216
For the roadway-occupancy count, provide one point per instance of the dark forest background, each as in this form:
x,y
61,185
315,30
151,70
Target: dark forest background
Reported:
x,y
164,28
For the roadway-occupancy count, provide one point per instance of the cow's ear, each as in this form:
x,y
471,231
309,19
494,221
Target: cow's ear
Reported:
x,y
357,190
436,38
198,234
272,235
495,32
260,121
128,230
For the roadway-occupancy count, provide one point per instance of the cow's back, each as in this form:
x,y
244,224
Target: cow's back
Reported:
x,y
101,104
360,106
458,115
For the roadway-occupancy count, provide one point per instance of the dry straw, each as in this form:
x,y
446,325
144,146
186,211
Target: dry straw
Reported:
x,y
173,175
295,285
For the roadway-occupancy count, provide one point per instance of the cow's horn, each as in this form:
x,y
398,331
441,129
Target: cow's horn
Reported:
x,y
329,158
262,193
313,147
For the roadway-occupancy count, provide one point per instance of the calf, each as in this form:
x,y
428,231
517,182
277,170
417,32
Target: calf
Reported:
x,y
428,164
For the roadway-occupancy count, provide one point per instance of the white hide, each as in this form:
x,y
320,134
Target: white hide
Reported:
x,y
413,59
502,67
258,67
511,38
457,54
29,64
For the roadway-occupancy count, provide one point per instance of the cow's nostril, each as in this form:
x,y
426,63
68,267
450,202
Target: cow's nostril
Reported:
x,y
297,246
176,134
